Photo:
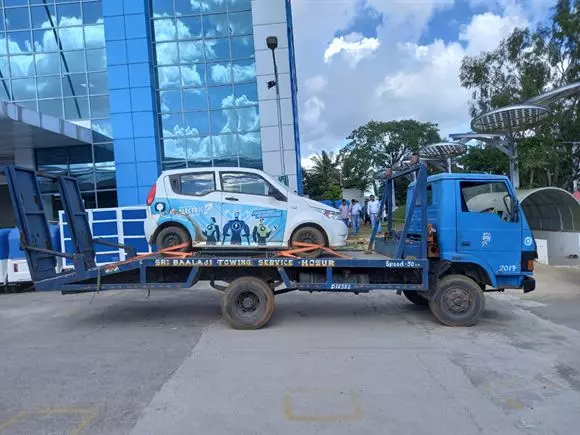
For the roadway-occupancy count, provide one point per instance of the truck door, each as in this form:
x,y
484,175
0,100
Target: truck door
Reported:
x,y
487,225
253,211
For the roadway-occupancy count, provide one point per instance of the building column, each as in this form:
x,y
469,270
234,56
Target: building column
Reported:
x,y
132,99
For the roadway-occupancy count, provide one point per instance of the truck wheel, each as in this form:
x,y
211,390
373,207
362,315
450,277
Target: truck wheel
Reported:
x,y
308,235
457,301
416,297
248,303
172,236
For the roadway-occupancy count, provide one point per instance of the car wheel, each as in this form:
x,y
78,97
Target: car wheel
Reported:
x,y
308,235
173,236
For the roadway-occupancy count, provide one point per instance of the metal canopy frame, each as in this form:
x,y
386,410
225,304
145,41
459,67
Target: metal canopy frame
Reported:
x,y
442,152
497,127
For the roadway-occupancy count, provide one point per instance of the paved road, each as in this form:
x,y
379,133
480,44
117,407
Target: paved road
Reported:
x,y
336,364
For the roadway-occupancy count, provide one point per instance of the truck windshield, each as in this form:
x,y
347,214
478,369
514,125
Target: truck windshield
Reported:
x,y
486,197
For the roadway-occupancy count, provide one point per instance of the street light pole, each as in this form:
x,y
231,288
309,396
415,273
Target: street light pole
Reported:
x,y
272,43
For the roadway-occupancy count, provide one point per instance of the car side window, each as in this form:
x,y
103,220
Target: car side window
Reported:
x,y
246,183
195,184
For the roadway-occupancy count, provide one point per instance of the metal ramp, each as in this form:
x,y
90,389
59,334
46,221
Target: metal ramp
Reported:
x,y
35,239
31,220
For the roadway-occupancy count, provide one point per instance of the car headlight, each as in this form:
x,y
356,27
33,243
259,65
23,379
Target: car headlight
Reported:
x,y
329,214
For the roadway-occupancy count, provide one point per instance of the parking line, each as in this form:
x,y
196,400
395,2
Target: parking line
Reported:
x,y
89,414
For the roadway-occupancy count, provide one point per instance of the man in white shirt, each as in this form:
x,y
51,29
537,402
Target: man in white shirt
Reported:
x,y
343,209
355,212
373,211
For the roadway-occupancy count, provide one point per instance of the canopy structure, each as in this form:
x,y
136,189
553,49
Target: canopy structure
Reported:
x,y
510,119
442,152
550,209
22,128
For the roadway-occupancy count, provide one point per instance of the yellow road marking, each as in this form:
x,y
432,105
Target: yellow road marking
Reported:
x,y
89,414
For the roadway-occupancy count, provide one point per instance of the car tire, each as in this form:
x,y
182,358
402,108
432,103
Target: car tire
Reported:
x,y
173,235
308,234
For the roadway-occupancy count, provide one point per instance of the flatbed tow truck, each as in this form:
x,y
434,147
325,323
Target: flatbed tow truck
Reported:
x,y
446,256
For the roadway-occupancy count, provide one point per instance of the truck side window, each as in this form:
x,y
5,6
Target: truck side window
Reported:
x,y
485,197
196,184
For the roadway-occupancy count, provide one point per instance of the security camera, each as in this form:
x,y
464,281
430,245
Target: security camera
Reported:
x,y
272,42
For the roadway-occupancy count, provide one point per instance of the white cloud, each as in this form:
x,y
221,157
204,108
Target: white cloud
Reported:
x,y
485,31
401,78
313,109
316,83
354,48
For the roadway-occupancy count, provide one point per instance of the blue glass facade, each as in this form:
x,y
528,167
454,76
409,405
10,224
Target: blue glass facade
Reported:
x,y
52,60
206,86
163,84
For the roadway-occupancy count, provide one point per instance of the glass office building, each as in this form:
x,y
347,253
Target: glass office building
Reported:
x,y
158,84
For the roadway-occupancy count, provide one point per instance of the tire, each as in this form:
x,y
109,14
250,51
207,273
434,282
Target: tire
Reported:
x,y
308,235
457,301
248,303
172,236
416,297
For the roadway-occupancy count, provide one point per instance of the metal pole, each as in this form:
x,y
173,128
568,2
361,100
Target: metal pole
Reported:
x,y
280,132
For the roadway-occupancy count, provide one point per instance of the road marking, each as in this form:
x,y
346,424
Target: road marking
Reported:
x,y
319,395
88,413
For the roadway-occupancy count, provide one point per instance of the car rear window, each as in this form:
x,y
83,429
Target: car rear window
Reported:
x,y
196,184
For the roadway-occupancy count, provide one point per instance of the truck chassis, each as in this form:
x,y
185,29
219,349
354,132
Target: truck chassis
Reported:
x,y
251,280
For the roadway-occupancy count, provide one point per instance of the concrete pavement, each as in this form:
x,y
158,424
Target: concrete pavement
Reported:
x,y
336,364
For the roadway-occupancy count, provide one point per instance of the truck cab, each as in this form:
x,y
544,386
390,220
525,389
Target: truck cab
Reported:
x,y
479,228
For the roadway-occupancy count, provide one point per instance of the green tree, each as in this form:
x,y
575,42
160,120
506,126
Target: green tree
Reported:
x,y
525,64
322,181
378,145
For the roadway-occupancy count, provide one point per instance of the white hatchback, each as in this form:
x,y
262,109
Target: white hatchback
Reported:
x,y
236,207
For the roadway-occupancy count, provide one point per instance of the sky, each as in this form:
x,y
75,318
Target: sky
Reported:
x,y
359,60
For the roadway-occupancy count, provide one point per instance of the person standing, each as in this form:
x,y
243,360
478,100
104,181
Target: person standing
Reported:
x,y
373,210
355,212
343,209
364,212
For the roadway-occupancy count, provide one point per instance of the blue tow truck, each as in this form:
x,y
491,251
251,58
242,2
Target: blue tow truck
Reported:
x,y
464,235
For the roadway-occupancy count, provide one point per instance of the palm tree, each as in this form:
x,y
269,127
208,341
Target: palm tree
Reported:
x,y
324,174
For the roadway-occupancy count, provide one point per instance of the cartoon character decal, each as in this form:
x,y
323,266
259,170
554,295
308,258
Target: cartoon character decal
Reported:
x,y
238,229
261,232
217,223
212,232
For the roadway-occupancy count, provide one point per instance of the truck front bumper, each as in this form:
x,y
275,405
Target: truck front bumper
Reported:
x,y
529,284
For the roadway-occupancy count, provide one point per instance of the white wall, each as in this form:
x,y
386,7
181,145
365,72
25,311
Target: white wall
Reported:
x,y
269,18
560,246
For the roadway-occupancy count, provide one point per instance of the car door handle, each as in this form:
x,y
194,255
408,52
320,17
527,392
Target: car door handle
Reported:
x,y
464,243
231,198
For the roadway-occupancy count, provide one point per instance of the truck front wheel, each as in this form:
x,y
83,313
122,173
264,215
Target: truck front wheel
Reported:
x,y
248,303
457,301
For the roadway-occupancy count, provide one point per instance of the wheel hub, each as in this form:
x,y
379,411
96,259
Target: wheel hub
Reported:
x,y
248,302
457,301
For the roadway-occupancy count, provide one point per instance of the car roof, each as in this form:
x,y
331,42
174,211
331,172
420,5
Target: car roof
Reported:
x,y
210,168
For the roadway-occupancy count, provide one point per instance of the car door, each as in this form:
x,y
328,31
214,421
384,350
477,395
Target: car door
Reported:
x,y
195,202
487,227
254,212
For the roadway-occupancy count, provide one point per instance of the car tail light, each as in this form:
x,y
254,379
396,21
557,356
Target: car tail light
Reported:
x,y
151,195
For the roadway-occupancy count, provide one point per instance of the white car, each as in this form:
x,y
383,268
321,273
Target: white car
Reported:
x,y
237,208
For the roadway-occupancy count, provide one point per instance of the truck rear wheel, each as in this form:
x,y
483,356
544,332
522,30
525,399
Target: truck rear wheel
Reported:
x,y
457,301
416,297
248,303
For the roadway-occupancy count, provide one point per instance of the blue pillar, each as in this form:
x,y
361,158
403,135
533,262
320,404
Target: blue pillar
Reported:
x,y
132,98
